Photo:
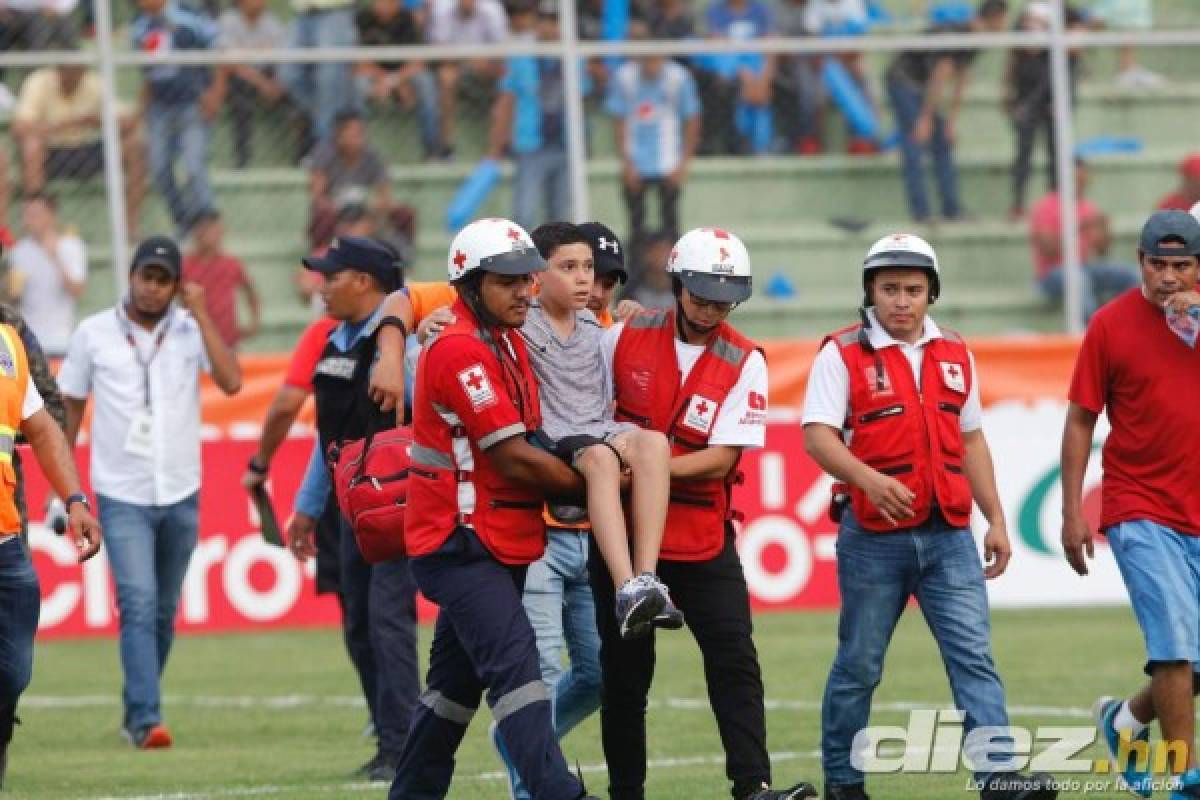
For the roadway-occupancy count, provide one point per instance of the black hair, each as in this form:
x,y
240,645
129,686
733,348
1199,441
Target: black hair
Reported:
x,y
990,8
346,115
42,197
206,215
553,235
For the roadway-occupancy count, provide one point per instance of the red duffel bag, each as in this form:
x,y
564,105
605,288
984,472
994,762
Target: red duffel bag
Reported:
x,y
370,479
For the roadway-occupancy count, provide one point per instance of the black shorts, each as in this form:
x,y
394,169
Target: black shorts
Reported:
x,y
75,162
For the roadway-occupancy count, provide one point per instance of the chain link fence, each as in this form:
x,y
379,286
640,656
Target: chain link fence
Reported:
x,y
256,131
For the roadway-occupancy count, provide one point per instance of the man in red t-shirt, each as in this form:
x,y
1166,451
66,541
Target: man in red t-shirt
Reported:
x,y
221,275
1101,280
1137,365
1187,193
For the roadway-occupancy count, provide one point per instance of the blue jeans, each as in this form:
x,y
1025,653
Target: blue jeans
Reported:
x,y
877,574
1101,282
541,177
1161,570
558,602
149,548
425,88
20,604
379,623
907,100
179,133
322,90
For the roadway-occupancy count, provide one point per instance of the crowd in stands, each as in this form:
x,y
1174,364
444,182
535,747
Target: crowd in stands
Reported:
x,y
665,111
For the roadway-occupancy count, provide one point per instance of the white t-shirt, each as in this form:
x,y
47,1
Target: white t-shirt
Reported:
x,y
33,400
488,25
100,361
827,400
32,405
48,308
741,421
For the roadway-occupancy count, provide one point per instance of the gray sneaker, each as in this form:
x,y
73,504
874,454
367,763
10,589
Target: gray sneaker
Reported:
x,y
670,618
638,602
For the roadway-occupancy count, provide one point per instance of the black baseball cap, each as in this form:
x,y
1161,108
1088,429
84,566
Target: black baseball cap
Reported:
x,y
159,251
608,253
361,254
1172,224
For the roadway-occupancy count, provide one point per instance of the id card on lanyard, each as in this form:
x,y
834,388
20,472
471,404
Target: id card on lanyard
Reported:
x,y
140,439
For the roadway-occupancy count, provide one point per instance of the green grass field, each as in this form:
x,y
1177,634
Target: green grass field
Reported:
x,y
278,714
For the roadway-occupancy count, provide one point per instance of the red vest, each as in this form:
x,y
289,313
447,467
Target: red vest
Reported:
x,y
912,435
451,481
650,393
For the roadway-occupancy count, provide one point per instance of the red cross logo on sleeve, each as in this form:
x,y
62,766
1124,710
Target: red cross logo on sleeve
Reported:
x,y
702,407
475,381
953,371
460,258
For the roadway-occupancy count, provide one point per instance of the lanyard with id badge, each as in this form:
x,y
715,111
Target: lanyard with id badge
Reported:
x,y
140,439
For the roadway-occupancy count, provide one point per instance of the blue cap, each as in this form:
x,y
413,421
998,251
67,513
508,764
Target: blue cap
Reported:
x,y
1172,224
362,255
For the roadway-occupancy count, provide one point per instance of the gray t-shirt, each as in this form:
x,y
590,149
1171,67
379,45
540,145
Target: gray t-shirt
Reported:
x,y
265,33
349,183
571,377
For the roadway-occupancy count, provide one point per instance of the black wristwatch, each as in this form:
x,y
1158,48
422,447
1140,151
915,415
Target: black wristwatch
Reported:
x,y
254,466
396,322
78,497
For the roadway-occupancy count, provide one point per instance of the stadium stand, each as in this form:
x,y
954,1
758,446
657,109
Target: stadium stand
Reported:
x,y
804,218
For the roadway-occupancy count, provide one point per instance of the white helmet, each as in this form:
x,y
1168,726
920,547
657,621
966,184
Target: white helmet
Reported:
x,y
713,265
900,250
493,245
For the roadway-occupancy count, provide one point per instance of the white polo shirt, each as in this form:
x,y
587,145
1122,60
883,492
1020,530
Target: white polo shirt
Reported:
x,y
827,400
742,419
101,361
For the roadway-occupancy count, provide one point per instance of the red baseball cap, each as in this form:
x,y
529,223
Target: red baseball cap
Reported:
x,y
1190,166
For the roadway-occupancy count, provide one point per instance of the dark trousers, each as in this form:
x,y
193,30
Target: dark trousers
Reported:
x,y
713,597
668,205
20,605
243,100
1026,126
482,640
379,622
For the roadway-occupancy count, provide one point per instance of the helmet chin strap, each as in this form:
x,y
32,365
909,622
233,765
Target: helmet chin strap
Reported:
x,y
682,321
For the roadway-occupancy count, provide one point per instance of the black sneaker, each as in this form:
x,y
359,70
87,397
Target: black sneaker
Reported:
x,y
798,792
1015,786
7,721
384,770
364,772
853,791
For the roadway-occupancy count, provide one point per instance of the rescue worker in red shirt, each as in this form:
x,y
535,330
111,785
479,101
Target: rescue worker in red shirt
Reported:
x,y
893,412
688,374
474,521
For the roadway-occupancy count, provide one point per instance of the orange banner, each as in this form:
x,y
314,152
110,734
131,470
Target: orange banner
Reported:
x,y
1009,368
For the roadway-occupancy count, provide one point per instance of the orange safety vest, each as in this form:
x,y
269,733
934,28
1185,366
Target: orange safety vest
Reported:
x,y
14,378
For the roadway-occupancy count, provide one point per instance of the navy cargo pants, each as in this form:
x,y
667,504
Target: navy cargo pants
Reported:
x,y
483,639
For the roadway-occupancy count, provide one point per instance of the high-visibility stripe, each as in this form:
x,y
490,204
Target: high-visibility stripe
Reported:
x,y
430,457
7,441
445,708
514,701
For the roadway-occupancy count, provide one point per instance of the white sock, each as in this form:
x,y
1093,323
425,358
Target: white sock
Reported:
x,y
1126,721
